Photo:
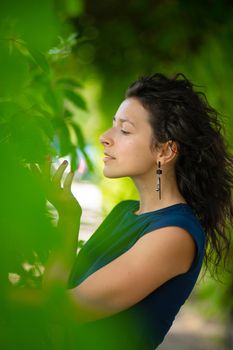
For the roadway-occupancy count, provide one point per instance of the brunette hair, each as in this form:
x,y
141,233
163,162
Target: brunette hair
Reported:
x,y
204,165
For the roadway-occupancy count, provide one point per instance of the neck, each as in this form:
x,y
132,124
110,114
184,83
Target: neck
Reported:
x,y
149,197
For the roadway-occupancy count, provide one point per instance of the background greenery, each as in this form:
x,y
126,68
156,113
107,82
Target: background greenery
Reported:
x,y
64,68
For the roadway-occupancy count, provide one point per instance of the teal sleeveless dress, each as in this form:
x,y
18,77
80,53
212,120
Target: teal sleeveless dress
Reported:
x,y
145,324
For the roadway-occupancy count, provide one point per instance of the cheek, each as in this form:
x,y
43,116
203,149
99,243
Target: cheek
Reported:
x,y
138,155
141,163
139,149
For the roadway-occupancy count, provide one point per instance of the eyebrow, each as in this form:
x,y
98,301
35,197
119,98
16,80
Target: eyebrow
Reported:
x,y
124,120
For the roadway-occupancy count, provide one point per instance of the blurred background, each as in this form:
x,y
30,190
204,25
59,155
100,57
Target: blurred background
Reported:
x,y
64,69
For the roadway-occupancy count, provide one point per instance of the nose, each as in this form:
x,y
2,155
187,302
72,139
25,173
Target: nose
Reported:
x,y
105,140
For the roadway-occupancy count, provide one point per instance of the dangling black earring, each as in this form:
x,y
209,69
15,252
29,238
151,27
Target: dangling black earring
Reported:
x,y
158,185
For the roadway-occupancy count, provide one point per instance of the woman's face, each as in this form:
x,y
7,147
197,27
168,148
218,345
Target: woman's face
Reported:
x,y
128,142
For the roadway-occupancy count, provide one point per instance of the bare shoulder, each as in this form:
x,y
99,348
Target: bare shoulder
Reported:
x,y
169,244
154,259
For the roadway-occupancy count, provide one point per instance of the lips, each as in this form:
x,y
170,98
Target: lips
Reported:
x,y
108,155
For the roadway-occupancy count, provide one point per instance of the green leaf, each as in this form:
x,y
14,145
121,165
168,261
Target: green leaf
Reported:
x,y
88,161
39,58
69,82
79,134
72,39
7,109
77,99
82,144
14,73
74,8
74,159
28,136
46,125
67,114
55,99
63,134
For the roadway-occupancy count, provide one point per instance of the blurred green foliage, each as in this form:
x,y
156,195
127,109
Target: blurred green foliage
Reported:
x,y
44,47
37,118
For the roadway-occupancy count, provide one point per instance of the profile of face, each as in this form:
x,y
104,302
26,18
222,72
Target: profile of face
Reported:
x,y
128,142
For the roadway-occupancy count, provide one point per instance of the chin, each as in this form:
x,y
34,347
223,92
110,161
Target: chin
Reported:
x,y
112,174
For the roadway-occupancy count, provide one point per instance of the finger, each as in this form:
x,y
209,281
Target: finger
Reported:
x,y
68,182
58,174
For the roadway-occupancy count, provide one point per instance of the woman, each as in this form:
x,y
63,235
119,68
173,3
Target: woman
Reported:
x,y
131,277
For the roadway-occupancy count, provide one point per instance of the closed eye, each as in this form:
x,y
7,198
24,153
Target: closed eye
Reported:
x,y
125,132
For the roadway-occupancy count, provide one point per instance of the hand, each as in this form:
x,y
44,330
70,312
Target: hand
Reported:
x,y
60,197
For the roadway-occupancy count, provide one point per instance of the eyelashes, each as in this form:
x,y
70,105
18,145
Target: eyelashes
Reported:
x,y
123,131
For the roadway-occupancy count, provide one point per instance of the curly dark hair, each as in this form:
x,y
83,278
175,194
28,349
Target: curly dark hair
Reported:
x,y
204,165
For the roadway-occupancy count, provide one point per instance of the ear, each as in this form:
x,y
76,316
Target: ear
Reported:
x,y
168,152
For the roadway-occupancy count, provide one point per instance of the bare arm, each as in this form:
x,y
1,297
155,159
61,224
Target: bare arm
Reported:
x,y
155,258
